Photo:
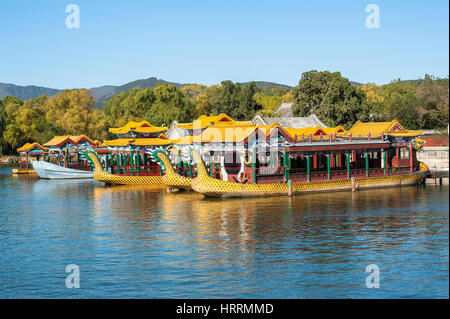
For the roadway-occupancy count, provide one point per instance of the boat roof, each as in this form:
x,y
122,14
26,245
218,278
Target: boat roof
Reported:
x,y
58,141
162,140
30,146
376,129
221,120
138,127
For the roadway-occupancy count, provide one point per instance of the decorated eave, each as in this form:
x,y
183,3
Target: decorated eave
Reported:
x,y
138,128
67,141
162,140
235,135
205,121
380,129
32,148
317,132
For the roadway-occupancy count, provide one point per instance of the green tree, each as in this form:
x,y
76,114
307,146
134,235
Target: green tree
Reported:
x,y
3,123
160,105
169,105
331,97
236,100
400,103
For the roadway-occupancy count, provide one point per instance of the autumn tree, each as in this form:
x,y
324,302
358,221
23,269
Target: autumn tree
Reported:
x,y
433,102
73,112
270,99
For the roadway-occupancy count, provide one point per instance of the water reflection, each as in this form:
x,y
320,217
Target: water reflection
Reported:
x,y
146,242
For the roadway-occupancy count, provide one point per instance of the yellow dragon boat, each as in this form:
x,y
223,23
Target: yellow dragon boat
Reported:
x,y
211,187
169,179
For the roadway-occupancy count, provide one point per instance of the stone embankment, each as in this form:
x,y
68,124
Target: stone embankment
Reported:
x,y
437,160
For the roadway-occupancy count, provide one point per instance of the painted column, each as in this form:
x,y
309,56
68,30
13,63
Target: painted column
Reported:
x,y
385,161
66,160
328,165
119,163
254,165
131,162
367,163
411,156
285,164
308,164
348,165
138,162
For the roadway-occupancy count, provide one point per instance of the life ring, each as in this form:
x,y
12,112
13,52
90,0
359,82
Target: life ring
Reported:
x,y
243,178
249,160
216,159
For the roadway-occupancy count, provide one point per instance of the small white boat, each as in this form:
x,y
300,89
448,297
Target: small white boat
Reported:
x,y
51,171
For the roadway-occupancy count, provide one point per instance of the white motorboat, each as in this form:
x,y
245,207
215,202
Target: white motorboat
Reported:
x,y
52,171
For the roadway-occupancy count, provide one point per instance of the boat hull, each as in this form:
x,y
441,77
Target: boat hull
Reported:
x,y
210,188
23,171
51,171
114,179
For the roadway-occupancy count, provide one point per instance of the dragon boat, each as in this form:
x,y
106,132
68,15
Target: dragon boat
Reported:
x,y
212,187
159,156
276,162
101,175
59,158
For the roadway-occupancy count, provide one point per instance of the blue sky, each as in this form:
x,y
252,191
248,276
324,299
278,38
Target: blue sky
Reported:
x,y
210,41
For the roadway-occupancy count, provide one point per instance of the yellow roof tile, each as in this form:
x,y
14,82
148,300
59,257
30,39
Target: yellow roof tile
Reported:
x,y
122,142
29,146
221,120
150,142
225,134
57,140
394,128
138,127
74,139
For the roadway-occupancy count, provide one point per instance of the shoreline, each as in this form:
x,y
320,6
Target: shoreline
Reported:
x,y
9,159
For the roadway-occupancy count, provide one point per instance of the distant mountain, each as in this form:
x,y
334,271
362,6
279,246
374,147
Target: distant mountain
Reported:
x,y
25,92
103,93
268,85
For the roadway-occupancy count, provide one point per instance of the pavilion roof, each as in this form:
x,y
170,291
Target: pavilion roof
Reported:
x,y
376,129
123,142
138,127
74,139
29,146
221,120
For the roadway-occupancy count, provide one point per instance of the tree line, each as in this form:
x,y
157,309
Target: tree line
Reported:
x,y
416,104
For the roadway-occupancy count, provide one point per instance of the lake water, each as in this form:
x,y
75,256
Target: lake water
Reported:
x,y
132,242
